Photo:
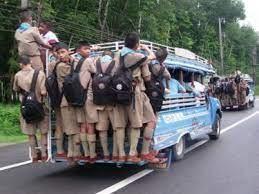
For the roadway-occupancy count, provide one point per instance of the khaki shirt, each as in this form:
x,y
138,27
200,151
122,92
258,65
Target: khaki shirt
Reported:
x,y
29,41
23,79
140,72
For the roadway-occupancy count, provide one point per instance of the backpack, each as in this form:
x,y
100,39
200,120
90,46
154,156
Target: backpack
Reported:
x,y
237,79
101,84
218,90
229,89
155,89
73,90
122,82
31,109
53,90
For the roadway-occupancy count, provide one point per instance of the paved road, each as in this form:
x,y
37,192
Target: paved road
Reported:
x,y
229,165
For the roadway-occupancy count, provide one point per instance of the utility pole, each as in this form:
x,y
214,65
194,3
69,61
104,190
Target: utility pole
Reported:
x,y
221,44
140,16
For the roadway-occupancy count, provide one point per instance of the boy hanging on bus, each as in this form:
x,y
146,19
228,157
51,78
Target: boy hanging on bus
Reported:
x,y
23,83
70,124
29,40
87,134
135,110
155,88
48,37
107,109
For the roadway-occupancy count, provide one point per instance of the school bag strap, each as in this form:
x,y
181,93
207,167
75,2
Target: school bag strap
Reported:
x,y
34,80
79,65
98,66
110,67
134,66
55,68
161,72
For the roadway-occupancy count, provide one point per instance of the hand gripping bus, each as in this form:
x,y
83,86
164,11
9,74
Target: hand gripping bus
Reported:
x,y
184,116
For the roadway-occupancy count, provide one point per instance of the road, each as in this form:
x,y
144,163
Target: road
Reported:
x,y
227,166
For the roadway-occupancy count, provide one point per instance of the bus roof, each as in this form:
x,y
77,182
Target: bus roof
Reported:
x,y
178,58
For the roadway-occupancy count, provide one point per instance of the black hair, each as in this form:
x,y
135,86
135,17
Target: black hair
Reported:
x,y
161,54
24,59
61,45
46,23
25,15
108,52
131,40
82,43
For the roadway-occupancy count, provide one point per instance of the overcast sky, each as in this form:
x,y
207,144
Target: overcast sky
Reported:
x,y
252,13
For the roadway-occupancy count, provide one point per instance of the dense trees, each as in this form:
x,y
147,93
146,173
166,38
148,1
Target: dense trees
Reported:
x,y
191,24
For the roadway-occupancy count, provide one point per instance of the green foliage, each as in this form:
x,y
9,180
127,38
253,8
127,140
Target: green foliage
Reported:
x,y
190,24
9,120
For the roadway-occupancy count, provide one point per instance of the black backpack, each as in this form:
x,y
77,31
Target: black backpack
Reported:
x,y
122,83
31,109
155,89
73,90
102,83
237,79
229,89
218,90
53,90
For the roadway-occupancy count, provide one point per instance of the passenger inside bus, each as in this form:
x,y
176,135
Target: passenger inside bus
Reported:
x,y
175,86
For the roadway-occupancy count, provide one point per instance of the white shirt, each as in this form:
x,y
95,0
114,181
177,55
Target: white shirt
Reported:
x,y
49,36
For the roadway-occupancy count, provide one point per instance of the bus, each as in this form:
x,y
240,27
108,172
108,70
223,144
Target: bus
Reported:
x,y
184,116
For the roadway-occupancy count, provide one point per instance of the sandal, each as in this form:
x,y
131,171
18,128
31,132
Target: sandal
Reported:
x,y
106,158
122,159
62,155
150,158
133,159
115,158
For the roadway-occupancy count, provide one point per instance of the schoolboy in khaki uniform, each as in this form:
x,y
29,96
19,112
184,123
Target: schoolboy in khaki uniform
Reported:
x,y
111,114
59,133
135,111
29,40
88,68
22,81
68,113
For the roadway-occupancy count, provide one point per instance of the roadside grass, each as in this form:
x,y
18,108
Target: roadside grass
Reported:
x,y
9,124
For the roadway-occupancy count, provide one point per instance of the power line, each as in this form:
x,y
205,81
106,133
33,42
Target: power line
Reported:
x,y
79,25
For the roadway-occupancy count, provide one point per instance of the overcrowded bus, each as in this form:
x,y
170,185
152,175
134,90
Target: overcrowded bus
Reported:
x,y
184,115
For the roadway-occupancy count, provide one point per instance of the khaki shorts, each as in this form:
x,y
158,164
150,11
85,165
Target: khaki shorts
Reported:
x,y
36,63
91,112
80,115
105,117
69,120
148,112
136,115
31,129
58,118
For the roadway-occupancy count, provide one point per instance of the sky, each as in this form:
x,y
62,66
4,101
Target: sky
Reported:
x,y
252,13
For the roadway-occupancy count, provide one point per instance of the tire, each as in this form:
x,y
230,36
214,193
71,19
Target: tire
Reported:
x,y
179,149
216,129
253,104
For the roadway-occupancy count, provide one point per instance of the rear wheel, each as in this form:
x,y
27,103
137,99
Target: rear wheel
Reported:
x,y
179,149
252,104
216,129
